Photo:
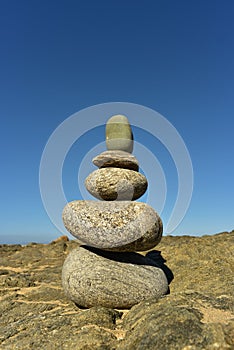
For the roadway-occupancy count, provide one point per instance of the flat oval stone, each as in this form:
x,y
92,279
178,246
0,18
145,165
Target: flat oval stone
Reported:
x,y
119,134
116,184
117,159
119,226
114,280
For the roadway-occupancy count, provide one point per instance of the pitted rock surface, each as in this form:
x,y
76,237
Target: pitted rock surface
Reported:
x,y
196,315
123,225
116,184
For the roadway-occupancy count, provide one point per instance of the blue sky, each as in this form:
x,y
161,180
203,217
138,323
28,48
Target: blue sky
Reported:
x,y
59,57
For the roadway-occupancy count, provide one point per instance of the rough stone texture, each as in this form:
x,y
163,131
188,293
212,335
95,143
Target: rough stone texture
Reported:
x,y
117,280
116,184
119,134
117,159
180,323
196,315
120,226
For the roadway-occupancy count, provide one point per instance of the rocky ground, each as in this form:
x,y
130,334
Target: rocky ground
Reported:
x,y
197,314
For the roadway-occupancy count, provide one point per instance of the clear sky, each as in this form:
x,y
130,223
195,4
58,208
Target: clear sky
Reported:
x,y
59,57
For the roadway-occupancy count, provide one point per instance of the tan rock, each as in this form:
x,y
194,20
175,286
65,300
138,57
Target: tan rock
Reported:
x,y
118,159
119,226
197,314
116,184
63,238
91,278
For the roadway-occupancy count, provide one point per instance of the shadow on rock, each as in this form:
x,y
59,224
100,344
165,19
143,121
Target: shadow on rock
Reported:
x,y
159,261
152,258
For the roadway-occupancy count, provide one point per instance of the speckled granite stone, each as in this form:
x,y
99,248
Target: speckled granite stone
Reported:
x,y
117,159
116,280
116,184
119,134
123,225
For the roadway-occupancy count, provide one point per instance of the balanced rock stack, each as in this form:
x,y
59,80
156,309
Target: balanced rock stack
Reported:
x,y
106,270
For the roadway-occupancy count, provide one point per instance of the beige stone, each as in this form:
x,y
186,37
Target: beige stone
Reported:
x,y
118,159
91,277
119,226
116,184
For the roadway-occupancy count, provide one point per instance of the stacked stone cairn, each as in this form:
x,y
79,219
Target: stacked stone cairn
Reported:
x,y
106,270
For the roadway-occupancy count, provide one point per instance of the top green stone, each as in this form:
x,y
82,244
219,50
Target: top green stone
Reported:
x,y
119,134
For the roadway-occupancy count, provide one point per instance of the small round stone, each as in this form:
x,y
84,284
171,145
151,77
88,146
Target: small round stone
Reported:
x,y
118,226
119,134
116,184
117,159
91,277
